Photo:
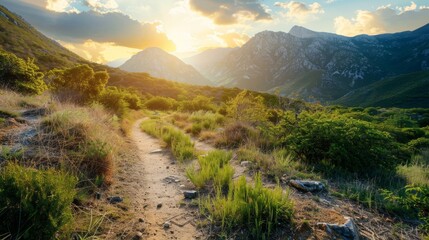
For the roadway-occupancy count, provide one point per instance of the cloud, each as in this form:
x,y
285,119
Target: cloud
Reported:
x,y
383,20
111,27
300,11
234,39
102,6
99,52
224,12
60,6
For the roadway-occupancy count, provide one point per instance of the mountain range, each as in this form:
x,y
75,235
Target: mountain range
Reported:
x,y
161,64
319,66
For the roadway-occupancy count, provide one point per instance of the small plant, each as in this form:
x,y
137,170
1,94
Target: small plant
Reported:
x,y
416,199
35,204
180,144
258,209
214,168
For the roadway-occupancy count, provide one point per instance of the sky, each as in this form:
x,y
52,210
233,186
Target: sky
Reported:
x,y
107,30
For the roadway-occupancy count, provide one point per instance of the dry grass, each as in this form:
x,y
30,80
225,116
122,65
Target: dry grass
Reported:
x,y
83,140
236,134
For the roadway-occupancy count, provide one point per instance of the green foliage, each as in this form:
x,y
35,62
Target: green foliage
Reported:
x,y
160,103
199,103
80,83
120,100
419,144
415,198
256,208
205,121
248,108
180,144
34,204
19,75
214,168
350,144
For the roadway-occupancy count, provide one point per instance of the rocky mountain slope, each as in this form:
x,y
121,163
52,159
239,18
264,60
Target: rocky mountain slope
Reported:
x,y
321,66
161,64
20,38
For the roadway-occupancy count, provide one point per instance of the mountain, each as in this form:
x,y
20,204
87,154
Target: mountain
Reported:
x,y
321,66
205,60
20,38
405,91
161,64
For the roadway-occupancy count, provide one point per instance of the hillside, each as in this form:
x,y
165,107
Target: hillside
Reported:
x,y
20,38
161,64
405,91
321,66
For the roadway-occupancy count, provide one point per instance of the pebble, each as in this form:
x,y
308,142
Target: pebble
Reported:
x,y
159,206
166,225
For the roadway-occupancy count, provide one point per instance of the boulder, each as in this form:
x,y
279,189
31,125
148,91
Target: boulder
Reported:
x,y
190,194
307,186
115,199
347,231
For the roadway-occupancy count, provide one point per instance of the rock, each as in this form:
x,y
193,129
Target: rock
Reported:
x,y
141,220
139,235
159,206
115,199
245,163
182,186
166,225
307,186
190,194
347,231
157,151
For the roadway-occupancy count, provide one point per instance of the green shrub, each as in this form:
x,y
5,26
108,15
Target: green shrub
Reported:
x,y
248,108
34,204
419,144
416,199
199,103
350,144
20,75
160,103
255,208
78,84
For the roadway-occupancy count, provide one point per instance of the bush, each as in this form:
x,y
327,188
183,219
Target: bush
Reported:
x,y
79,84
19,75
255,208
34,204
415,199
350,144
235,135
247,108
119,100
160,103
199,103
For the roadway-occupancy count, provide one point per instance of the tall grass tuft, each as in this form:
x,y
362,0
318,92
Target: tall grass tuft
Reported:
x,y
214,169
180,144
34,204
260,210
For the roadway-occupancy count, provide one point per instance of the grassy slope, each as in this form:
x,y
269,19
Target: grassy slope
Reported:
x,y
406,91
20,38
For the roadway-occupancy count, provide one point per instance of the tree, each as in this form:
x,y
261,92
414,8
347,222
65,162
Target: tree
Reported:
x,y
20,75
80,84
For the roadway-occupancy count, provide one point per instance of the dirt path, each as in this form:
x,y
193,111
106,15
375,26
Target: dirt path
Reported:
x,y
160,190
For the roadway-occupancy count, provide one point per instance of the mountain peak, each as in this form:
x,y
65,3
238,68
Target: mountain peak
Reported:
x,y
423,29
302,32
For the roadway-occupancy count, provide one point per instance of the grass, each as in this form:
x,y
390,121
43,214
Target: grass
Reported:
x,y
214,170
81,140
181,145
255,208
